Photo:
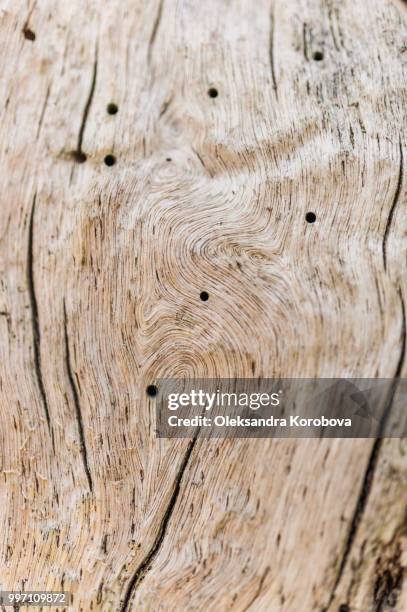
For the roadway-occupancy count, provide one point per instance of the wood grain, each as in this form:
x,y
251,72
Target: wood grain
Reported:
x,y
101,269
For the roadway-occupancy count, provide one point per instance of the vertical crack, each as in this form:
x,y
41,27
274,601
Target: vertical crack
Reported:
x,y
154,31
271,52
35,318
304,40
402,356
393,206
143,568
88,104
77,404
202,162
165,106
331,25
373,459
44,106
357,515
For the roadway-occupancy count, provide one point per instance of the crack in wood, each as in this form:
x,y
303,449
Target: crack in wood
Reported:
x,y
44,106
143,568
88,102
202,162
271,52
389,570
77,404
331,27
154,31
304,40
402,356
393,206
36,332
357,515
165,107
389,581
372,463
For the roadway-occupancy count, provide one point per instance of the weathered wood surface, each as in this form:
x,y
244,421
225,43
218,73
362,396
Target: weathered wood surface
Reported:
x,y
101,271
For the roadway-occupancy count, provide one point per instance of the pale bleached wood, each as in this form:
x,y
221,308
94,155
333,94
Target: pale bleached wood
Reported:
x,y
112,260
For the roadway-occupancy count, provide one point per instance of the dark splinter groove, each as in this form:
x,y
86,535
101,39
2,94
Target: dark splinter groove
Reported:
x,y
372,463
76,403
79,155
357,515
271,53
393,206
34,315
144,566
402,337
44,106
154,31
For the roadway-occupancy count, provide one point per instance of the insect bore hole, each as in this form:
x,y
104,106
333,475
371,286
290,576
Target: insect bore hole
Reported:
x,y
151,390
318,56
310,217
112,108
79,157
213,92
204,295
110,160
29,34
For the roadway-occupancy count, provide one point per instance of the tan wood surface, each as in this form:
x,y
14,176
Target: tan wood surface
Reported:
x,y
101,269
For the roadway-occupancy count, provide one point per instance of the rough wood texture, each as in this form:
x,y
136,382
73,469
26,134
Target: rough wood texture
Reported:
x,y
101,271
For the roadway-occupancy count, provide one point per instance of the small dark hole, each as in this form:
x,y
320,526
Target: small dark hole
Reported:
x,y
310,217
212,92
344,608
79,157
112,108
204,295
318,56
110,160
151,390
28,34
168,159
